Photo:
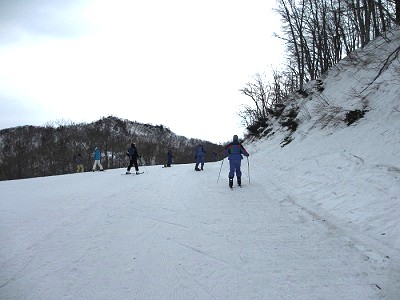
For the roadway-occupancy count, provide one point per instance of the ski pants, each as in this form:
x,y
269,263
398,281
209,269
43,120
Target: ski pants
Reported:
x,y
169,161
97,163
234,166
132,162
200,160
79,168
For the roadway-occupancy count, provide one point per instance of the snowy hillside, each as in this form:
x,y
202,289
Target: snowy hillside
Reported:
x,y
316,219
358,164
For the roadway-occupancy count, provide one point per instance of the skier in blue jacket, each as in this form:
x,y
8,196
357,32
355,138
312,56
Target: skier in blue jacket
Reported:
x,y
96,158
235,152
200,153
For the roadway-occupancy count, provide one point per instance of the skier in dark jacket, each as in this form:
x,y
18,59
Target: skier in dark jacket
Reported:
x,y
200,153
169,158
235,152
133,155
79,163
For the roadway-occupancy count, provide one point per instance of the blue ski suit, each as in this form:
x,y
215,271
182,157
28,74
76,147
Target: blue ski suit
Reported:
x,y
235,152
200,153
169,158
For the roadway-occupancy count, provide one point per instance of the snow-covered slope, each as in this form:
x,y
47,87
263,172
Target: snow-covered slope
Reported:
x,y
173,233
358,164
316,219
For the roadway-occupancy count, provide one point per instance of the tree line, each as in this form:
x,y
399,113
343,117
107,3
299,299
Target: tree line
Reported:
x,y
34,151
317,35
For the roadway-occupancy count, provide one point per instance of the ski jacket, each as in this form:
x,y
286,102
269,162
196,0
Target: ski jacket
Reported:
x,y
200,151
132,152
235,151
96,155
79,160
169,154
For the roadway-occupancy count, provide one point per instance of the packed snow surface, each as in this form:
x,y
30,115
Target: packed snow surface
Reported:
x,y
325,226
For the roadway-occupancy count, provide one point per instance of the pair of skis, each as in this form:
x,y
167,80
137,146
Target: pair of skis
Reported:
x,y
133,173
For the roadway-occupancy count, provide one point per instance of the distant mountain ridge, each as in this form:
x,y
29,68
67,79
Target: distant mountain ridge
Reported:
x,y
33,151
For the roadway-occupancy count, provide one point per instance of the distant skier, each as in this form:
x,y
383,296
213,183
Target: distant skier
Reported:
x,y
97,157
133,155
79,163
169,158
234,151
200,153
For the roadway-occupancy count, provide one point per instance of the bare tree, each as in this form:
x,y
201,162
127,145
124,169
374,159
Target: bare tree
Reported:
x,y
293,18
258,92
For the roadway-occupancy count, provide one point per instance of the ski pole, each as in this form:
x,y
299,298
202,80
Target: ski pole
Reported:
x,y
248,168
220,169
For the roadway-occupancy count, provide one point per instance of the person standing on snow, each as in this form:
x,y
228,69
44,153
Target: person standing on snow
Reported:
x,y
200,153
96,157
79,163
169,158
133,155
235,152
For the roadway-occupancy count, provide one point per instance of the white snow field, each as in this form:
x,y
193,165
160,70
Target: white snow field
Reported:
x,y
316,219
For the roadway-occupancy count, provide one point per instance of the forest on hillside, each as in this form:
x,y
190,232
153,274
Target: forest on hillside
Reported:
x,y
317,35
34,151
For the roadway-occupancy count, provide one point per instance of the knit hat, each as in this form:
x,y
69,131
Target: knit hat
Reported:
x,y
235,138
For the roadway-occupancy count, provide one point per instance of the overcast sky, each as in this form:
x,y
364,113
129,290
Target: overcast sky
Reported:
x,y
179,63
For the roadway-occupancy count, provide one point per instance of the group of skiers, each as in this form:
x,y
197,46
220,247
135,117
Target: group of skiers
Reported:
x,y
96,158
234,151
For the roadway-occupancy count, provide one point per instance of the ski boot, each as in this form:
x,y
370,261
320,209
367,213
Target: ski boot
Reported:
x,y
231,182
239,181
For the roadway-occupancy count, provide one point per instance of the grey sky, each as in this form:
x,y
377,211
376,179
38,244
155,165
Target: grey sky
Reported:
x,y
20,19
179,63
